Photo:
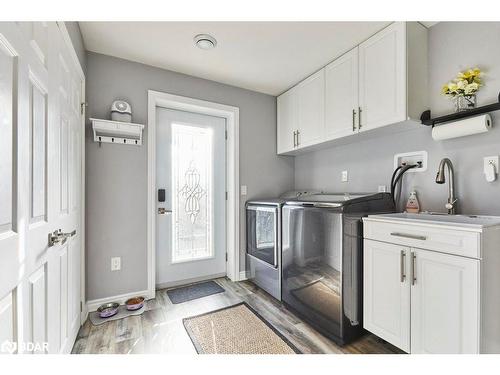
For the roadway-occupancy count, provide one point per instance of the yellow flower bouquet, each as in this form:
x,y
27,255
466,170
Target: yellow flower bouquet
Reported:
x,y
463,89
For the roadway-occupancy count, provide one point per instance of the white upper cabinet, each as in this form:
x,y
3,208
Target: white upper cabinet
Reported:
x,y
382,77
301,114
311,109
287,121
341,96
381,82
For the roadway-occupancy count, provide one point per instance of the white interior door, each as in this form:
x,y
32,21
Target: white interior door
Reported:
x,y
40,170
191,170
444,304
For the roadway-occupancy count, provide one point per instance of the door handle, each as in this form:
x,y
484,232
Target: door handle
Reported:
x,y
410,236
59,237
402,266
163,211
298,142
413,268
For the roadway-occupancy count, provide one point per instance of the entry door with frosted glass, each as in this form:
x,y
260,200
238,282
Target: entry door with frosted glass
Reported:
x,y
191,196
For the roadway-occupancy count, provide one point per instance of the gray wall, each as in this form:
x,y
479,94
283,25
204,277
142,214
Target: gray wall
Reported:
x,y
117,175
76,38
452,46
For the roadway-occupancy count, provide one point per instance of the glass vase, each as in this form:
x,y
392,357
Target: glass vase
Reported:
x,y
464,102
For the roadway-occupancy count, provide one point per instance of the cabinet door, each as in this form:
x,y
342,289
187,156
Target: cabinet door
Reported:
x,y
287,121
311,109
382,78
386,292
444,303
341,96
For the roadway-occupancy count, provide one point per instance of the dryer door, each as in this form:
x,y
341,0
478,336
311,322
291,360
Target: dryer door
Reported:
x,y
262,233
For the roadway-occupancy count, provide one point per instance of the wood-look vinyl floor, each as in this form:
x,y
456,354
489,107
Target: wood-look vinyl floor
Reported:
x,y
160,330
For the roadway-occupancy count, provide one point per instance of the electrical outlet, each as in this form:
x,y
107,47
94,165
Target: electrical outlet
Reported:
x,y
116,264
345,176
243,190
382,188
407,158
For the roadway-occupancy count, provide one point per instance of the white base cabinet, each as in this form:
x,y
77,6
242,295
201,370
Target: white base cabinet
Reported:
x,y
386,299
444,303
433,300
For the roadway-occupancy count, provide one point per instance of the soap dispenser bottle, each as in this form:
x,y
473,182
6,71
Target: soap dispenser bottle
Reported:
x,y
412,205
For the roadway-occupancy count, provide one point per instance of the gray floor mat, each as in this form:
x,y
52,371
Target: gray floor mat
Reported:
x,y
194,291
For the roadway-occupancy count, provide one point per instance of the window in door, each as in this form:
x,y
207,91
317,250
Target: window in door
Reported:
x,y
192,193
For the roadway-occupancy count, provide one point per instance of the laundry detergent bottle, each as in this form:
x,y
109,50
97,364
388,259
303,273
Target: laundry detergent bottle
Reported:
x,y
412,205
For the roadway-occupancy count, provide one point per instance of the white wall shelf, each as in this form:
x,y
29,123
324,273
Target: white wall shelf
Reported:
x,y
125,133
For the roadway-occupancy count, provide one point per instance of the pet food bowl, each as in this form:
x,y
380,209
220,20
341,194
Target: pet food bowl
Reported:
x,y
108,309
134,303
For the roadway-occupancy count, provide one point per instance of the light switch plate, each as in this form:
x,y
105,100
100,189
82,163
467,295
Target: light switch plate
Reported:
x,y
243,190
345,176
116,264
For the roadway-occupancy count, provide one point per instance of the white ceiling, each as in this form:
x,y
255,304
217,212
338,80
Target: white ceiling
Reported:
x,y
267,57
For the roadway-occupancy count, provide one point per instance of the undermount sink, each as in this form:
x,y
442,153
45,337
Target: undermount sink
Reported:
x,y
442,218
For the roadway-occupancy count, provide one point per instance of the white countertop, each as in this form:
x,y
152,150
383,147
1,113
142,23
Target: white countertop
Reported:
x,y
464,221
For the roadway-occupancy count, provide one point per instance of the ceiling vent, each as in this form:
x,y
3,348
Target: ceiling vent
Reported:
x,y
205,41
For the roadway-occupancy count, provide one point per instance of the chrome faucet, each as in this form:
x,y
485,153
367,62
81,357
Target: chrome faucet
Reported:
x,y
440,179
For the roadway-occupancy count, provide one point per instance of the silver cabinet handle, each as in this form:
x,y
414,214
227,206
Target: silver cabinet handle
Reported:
x,y
298,142
402,265
353,120
413,268
359,117
411,236
59,237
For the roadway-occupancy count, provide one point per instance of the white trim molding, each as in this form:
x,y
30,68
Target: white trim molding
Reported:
x,y
81,73
231,114
243,275
121,298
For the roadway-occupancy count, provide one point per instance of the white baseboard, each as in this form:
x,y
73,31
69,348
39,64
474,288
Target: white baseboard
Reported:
x,y
92,305
243,276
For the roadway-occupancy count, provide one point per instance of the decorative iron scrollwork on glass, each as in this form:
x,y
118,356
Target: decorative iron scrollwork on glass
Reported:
x,y
192,191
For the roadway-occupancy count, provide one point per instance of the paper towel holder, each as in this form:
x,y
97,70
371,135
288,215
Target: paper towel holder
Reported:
x,y
426,119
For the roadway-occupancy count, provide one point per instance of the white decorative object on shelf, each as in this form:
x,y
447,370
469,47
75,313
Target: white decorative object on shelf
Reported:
x,y
121,111
125,133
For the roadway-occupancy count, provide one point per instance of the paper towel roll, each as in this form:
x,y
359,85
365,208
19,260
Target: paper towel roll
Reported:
x,y
462,128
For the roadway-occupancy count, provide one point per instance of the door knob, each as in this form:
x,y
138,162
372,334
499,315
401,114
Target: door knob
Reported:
x,y
59,236
163,211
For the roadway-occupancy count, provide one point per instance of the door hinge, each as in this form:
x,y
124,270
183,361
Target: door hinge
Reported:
x,y
82,106
226,257
81,306
225,134
226,195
